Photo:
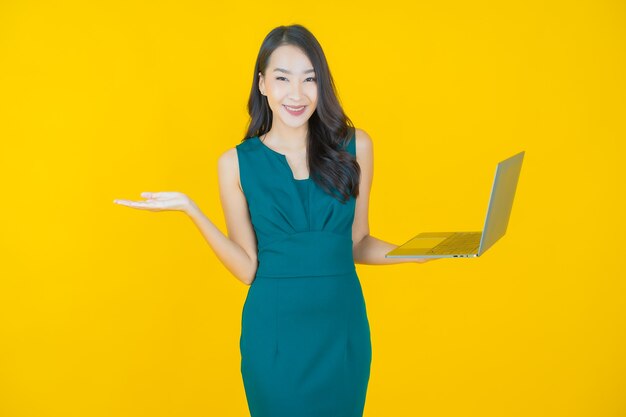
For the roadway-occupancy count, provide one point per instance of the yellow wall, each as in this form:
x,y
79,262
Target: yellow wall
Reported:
x,y
110,311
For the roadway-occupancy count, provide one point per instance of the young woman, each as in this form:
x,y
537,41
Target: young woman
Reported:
x,y
295,231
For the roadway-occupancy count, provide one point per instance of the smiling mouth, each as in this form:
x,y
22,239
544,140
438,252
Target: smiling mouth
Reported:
x,y
295,108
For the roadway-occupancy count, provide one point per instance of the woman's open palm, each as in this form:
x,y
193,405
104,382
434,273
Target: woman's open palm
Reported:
x,y
160,201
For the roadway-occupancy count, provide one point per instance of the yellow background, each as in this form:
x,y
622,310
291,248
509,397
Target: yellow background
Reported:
x,y
110,311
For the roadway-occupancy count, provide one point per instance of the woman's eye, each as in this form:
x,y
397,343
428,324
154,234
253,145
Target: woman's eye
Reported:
x,y
310,78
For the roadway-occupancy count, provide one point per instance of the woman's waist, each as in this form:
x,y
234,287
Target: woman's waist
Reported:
x,y
312,253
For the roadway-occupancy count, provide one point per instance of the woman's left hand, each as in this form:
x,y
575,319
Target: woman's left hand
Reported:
x,y
424,260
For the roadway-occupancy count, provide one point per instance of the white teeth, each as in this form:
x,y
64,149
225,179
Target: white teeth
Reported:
x,y
295,109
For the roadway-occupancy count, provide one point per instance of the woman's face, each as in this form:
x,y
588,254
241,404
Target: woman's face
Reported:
x,y
289,81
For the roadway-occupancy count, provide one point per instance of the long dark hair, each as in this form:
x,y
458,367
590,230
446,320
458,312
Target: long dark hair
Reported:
x,y
331,166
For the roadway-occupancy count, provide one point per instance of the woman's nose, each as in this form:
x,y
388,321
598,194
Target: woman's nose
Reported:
x,y
295,92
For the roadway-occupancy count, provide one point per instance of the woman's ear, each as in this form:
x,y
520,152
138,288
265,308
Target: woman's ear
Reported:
x,y
261,83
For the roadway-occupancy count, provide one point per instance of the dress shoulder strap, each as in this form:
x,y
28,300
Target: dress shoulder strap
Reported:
x,y
249,163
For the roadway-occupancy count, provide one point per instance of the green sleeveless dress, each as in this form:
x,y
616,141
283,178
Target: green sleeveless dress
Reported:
x,y
305,337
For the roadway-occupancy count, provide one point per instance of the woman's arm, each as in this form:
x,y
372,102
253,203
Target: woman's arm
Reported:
x,y
371,251
238,250
237,253
241,264
368,249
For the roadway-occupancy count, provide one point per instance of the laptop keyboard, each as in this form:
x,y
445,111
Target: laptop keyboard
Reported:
x,y
458,243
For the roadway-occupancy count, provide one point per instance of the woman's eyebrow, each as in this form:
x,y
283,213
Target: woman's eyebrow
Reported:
x,y
289,72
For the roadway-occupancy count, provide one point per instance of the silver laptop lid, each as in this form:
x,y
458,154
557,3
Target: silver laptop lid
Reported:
x,y
501,201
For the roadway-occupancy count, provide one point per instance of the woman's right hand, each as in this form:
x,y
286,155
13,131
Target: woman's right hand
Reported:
x,y
160,201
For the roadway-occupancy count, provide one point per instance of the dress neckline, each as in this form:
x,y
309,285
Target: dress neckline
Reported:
x,y
284,158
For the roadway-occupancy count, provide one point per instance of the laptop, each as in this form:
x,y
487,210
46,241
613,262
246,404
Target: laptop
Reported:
x,y
471,244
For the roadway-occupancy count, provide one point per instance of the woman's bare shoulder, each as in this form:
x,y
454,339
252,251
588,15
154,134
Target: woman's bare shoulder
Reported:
x,y
363,142
228,165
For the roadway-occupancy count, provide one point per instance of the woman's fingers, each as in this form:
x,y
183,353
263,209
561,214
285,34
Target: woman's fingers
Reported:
x,y
136,204
151,200
166,200
161,194
151,195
